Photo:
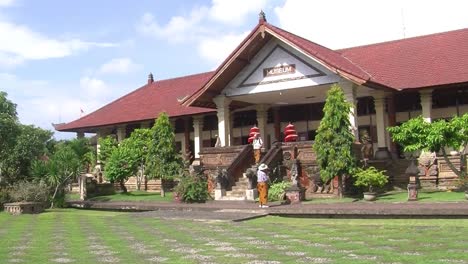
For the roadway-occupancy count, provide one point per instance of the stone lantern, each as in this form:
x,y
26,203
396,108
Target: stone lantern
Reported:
x,y
412,171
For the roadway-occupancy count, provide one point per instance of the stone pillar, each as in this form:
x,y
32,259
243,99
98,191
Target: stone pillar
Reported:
x,y
426,104
121,133
79,134
262,118
277,126
349,90
198,135
379,102
392,122
222,105
186,145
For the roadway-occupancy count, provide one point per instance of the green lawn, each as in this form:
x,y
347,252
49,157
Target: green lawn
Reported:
x,y
80,236
128,197
398,197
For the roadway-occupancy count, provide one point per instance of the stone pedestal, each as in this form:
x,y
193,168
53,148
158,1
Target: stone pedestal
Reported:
x,y
295,195
412,192
382,154
24,208
219,193
251,194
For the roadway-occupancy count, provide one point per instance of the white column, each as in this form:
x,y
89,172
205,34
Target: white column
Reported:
x,y
379,103
222,105
121,133
262,118
426,104
349,90
197,135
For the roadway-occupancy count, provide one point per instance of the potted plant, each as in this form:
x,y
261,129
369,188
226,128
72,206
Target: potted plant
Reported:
x,y
370,178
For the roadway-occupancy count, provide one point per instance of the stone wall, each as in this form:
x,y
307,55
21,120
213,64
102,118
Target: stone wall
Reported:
x,y
24,208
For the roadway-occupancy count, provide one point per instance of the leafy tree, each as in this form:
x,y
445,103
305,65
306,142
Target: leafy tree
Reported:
x,y
334,140
19,144
122,163
417,134
106,146
8,130
139,142
164,162
58,170
30,144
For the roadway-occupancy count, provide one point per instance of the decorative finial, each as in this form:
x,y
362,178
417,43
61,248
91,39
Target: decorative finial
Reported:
x,y
150,78
261,17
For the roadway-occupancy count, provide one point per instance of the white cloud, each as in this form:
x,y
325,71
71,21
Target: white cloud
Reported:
x,y
93,87
19,43
201,26
217,49
42,103
119,65
339,24
178,28
4,3
235,12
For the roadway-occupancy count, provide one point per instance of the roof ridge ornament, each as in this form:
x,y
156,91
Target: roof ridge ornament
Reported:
x,y
261,17
150,78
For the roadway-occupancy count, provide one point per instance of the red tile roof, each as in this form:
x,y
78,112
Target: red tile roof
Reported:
x,y
145,103
419,62
331,59
424,61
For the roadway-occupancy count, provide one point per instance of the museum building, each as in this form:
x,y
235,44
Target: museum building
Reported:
x,y
274,78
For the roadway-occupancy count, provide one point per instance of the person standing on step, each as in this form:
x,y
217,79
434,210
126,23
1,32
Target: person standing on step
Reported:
x,y
262,185
257,144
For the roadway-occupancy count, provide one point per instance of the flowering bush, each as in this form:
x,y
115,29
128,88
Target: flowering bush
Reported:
x,y
370,178
277,190
192,189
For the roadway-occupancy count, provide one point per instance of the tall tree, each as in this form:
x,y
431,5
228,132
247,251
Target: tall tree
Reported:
x,y
122,163
106,146
164,162
417,134
8,130
139,142
334,140
19,144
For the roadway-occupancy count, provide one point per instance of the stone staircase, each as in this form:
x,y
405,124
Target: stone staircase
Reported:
x,y
239,191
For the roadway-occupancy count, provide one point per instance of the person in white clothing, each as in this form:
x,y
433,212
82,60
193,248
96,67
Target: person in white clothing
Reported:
x,y
257,144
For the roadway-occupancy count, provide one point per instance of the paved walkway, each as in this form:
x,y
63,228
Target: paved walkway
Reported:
x,y
237,211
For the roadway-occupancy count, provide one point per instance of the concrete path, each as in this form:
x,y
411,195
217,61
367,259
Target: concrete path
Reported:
x,y
238,211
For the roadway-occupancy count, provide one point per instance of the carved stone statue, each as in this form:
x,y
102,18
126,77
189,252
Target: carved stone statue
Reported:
x,y
221,179
294,174
366,149
218,142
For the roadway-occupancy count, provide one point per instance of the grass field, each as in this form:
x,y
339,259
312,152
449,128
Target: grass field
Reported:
x,y
80,236
128,197
399,197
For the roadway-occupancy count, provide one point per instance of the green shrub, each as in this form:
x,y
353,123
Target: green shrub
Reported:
x,y
370,178
25,191
192,189
4,196
277,190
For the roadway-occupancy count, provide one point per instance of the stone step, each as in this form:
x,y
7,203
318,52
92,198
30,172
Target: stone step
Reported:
x,y
233,198
235,193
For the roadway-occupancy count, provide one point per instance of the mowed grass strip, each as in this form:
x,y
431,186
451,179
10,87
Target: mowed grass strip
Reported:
x,y
136,238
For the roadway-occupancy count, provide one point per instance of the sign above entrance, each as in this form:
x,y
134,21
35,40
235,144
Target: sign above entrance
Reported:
x,y
279,70
278,65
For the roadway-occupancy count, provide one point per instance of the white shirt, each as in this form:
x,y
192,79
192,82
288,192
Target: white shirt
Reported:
x,y
257,143
262,176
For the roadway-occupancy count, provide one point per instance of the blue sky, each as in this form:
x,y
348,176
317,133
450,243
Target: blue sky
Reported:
x,y
57,57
